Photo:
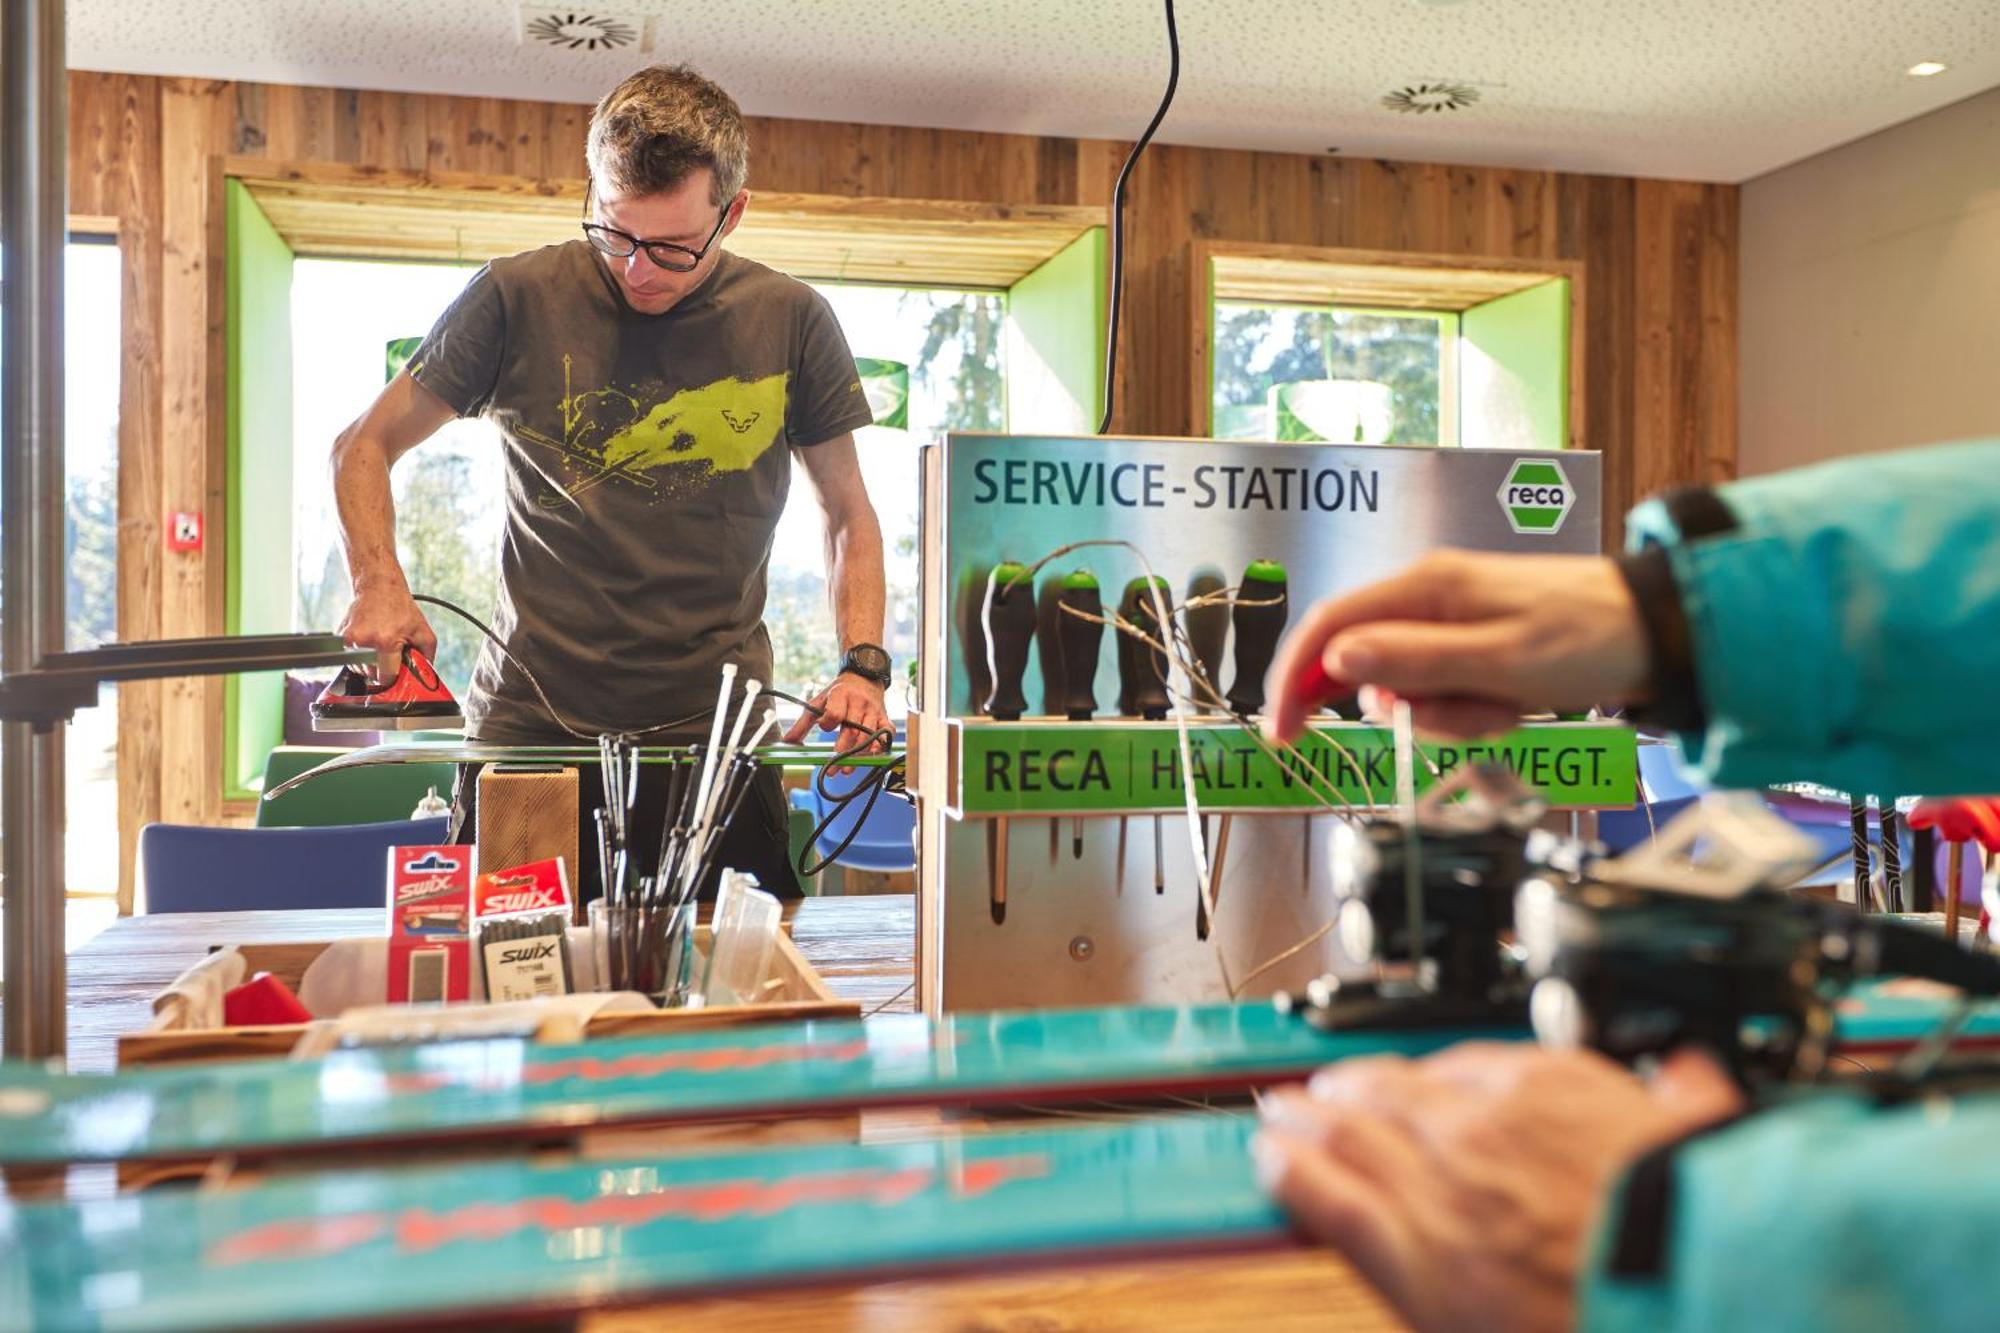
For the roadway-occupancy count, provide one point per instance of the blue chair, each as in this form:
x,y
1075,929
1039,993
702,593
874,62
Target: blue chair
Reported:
x,y
1665,788
190,869
886,841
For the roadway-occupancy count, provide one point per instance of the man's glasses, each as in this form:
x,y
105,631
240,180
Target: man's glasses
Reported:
x,y
621,245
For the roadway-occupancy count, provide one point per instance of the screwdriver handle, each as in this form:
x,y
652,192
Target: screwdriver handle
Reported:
x,y
1315,689
1144,686
1079,641
1263,603
1013,628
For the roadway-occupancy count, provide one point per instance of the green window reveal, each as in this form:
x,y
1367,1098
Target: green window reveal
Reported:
x,y
258,540
1055,341
1514,370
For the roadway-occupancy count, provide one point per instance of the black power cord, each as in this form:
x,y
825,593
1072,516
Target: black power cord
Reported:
x,y
1118,218
555,716
887,777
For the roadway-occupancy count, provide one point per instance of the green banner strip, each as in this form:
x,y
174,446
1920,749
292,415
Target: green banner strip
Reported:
x,y
1047,769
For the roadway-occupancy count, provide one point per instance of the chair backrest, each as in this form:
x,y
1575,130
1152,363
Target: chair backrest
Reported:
x,y
190,869
1661,770
886,842
353,796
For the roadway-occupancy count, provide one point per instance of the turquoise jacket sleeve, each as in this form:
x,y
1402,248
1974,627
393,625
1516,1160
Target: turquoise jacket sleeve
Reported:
x,y
1847,630
1831,1215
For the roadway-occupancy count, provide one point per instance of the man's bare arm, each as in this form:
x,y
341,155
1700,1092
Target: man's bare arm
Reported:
x,y
381,615
855,583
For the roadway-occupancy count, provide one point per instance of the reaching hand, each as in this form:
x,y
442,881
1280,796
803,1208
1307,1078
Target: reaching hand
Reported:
x,y
1961,819
386,620
1464,1186
849,705
1472,641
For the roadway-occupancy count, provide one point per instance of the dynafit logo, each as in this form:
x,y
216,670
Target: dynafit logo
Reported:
x,y
1536,495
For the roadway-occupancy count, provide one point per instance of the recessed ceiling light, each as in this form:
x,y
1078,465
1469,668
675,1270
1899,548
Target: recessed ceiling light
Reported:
x,y
1923,69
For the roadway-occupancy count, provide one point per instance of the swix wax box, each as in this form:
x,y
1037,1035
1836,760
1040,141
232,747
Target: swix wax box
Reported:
x,y
521,920
430,924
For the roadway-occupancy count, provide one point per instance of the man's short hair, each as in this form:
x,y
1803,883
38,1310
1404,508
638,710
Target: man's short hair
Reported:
x,y
659,126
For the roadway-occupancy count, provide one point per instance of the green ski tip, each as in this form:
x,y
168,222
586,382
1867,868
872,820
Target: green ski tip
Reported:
x,y
1264,571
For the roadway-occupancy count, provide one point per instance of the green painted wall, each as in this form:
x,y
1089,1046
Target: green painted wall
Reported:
x,y
258,543
1514,370
1055,341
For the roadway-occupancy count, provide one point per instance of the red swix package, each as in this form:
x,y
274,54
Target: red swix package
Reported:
x,y
538,886
430,925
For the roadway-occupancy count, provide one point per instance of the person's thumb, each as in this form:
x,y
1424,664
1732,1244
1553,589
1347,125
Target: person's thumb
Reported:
x,y
1694,1086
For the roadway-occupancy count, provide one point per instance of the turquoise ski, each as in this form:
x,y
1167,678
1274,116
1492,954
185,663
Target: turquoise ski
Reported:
x,y
459,1091
486,1090
482,1242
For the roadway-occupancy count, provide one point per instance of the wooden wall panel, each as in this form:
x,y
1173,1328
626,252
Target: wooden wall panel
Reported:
x,y
194,123
1659,259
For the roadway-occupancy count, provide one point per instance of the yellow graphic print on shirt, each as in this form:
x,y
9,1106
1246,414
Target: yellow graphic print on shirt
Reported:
x,y
727,424
611,436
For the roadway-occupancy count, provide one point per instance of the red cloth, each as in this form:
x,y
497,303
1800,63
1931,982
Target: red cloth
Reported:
x,y
1961,819
262,1001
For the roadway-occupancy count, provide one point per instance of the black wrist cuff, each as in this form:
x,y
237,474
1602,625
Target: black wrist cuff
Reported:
x,y
1697,512
1645,1216
1675,704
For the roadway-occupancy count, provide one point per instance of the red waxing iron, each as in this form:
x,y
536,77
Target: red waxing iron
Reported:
x,y
414,700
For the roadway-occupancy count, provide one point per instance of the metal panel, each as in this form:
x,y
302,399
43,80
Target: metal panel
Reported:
x,y
1090,928
1337,516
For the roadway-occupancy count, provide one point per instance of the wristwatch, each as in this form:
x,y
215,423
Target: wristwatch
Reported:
x,y
868,662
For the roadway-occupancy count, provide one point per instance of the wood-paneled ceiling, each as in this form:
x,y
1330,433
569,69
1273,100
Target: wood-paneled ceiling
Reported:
x,y
1715,90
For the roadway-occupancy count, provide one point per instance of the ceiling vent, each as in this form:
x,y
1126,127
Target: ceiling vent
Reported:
x,y
1422,98
579,29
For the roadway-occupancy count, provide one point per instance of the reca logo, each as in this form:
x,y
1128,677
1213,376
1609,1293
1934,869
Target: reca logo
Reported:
x,y
1536,495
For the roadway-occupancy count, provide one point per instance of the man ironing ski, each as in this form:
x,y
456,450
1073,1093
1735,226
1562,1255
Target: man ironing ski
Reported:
x,y
652,390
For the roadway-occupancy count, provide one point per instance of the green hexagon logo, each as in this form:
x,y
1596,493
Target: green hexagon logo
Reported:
x,y
1536,495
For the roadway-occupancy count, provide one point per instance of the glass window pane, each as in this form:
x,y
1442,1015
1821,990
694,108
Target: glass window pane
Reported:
x,y
450,500
91,275
450,494
1372,376
951,341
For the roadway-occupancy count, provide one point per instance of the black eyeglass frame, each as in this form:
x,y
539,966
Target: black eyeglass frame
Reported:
x,y
592,231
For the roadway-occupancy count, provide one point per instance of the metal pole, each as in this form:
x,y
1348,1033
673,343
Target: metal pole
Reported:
x,y
33,226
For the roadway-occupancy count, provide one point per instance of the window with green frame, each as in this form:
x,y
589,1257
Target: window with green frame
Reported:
x,y
1493,374
309,340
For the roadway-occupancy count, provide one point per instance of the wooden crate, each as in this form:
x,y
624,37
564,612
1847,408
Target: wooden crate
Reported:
x,y
796,992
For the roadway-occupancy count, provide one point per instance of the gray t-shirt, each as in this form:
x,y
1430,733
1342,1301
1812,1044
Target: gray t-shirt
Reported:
x,y
648,460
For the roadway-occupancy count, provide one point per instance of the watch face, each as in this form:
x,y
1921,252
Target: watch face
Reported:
x,y
869,660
